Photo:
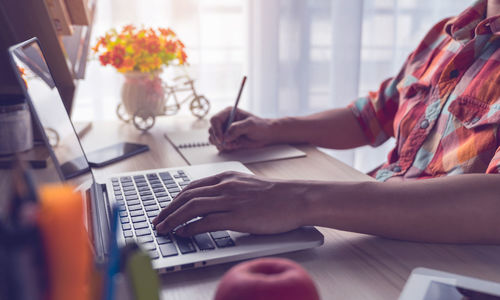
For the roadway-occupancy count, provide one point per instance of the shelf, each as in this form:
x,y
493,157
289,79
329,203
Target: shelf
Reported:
x,y
66,55
77,46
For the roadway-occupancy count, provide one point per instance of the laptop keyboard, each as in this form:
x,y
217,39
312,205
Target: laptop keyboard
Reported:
x,y
141,198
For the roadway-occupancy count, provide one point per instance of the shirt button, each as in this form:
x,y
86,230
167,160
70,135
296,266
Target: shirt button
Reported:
x,y
454,73
396,169
424,124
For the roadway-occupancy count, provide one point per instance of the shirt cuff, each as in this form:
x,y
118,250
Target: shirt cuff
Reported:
x,y
364,113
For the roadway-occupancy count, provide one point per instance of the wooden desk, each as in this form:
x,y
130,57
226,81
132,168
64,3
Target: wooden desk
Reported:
x,y
347,266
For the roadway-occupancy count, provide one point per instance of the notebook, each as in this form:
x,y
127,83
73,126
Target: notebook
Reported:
x,y
193,145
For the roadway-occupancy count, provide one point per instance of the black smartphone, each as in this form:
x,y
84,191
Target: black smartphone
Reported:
x,y
108,155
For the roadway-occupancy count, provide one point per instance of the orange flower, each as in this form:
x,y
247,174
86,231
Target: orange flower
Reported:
x,y
166,32
181,55
140,49
139,44
129,28
104,40
95,49
127,65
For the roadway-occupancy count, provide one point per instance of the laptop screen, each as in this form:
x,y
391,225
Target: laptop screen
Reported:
x,y
48,107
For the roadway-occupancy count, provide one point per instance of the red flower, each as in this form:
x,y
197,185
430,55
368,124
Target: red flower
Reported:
x,y
170,46
180,44
119,50
105,58
117,61
153,46
144,49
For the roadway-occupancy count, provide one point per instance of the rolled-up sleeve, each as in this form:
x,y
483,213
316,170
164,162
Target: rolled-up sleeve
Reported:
x,y
375,112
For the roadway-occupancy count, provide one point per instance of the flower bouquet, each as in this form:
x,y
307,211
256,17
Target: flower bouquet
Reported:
x,y
141,54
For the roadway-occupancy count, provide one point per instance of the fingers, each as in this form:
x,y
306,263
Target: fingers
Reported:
x,y
242,143
214,141
183,197
238,129
205,181
218,121
212,222
194,208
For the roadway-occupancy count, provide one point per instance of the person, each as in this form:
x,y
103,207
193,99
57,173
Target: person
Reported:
x,y
443,108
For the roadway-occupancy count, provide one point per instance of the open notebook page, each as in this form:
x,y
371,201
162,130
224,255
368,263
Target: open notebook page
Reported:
x,y
194,146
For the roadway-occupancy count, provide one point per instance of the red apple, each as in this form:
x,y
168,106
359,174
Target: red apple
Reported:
x,y
267,278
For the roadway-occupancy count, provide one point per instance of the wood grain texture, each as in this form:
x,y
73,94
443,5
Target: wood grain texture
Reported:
x,y
347,266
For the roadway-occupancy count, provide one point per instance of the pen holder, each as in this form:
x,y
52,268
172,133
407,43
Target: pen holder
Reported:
x,y
16,134
68,255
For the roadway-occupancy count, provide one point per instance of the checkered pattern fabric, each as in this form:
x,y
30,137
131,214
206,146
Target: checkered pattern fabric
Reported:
x,y
443,107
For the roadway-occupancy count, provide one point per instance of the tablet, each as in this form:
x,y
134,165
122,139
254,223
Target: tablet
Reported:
x,y
427,284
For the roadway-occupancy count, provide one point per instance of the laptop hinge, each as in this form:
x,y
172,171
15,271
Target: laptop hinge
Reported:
x,y
100,221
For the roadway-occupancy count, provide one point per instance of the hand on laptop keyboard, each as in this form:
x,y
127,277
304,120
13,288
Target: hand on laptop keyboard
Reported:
x,y
238,202
141,197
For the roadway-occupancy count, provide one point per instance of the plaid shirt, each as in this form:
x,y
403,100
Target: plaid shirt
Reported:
x,y
443,107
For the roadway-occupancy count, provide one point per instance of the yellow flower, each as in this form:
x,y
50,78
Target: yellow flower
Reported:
x,y
142,49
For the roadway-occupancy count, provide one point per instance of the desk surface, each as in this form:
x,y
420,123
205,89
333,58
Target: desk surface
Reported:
x,y
347,266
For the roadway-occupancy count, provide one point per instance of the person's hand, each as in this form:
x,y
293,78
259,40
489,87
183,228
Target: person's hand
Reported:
x,y
246,131
235,201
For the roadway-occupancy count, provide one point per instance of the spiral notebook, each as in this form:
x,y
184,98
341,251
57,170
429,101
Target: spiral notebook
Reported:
x,y
193,145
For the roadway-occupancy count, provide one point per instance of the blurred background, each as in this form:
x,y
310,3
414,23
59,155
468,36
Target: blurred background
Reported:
x,y
301,56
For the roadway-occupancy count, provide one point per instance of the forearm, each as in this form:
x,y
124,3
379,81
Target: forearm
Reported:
x,y
336,129
458,209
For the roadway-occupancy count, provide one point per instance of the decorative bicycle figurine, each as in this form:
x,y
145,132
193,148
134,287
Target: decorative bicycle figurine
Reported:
x,y
198,104
145,98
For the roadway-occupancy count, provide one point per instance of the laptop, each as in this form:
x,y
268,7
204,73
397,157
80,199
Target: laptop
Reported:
x,y
139,195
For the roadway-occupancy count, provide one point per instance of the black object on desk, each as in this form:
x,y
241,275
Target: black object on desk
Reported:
x,y
22,257
36,158
114,153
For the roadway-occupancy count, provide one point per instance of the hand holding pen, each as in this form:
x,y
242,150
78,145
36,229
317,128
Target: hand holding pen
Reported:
x,y
233,128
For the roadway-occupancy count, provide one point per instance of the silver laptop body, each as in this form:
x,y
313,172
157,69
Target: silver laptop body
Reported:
x,y
139,195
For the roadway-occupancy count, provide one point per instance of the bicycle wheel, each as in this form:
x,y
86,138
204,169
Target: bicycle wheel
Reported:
x,y
122,114
199,106
143,120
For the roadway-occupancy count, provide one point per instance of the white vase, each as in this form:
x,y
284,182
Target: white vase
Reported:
x,y
143,94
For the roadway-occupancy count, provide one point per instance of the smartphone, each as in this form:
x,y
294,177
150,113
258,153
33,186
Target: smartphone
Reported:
x,y
111,154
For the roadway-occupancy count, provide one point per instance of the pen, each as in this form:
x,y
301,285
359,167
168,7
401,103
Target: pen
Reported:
x,y
233,111
114,257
